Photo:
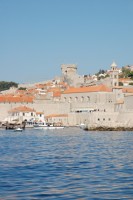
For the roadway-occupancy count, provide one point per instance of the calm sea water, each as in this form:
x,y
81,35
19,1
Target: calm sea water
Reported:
x,y
66,164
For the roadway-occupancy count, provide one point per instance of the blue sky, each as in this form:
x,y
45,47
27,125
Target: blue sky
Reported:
x,y
37,36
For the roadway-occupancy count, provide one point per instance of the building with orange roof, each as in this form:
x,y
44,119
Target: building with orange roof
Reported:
x,y
89,97
125,81
22,109
127,90
56,96
21,113
96,88
24,113
16,99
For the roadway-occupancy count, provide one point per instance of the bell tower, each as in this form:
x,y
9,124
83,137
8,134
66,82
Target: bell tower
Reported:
x,y
114,75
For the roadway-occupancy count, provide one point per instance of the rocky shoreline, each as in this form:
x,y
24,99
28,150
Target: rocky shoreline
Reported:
x,y
100,128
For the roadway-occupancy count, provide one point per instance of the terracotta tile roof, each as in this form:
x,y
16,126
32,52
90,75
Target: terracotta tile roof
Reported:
x,y
62,83
22,109
38,113
21,91
125,80
18,98
48,83
127,90
117,87
55,89
40,86
97,88
56,115
32,91
57,94
2,99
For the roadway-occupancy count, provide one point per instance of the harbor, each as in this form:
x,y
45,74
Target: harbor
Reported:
x,y
85,100
66,100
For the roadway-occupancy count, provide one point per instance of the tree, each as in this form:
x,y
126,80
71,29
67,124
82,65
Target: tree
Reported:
x,y
22,88
131,75
101,71
125,72
6,85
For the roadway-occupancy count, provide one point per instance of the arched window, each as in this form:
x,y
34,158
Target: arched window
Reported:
x,y
95,99
70,99
65,99
82,99
76,99
88,99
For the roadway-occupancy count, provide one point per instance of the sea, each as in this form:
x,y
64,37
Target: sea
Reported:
x,y
69,163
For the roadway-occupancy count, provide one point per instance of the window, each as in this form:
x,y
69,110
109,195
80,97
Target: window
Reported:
x,y
23,114
98,119
95,99
88,99
31,114
70,99
82,99
76,99
103,119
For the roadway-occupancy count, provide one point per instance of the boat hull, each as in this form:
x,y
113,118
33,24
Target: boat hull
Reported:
x,y
49,127
18,130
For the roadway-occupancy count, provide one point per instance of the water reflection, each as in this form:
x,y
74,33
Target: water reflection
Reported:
x,y
68,164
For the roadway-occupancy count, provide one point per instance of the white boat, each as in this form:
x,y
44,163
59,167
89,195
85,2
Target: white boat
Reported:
x,y
18,129
82,126
46,126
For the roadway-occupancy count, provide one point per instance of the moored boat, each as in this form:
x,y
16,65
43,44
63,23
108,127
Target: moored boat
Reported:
x,y
47,126
18,129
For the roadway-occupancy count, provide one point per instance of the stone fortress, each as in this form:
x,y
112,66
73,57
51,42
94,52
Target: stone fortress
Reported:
x,y
73,100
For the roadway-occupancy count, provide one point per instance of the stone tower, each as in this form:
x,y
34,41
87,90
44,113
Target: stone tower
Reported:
x,y
70,75
69,70
114,75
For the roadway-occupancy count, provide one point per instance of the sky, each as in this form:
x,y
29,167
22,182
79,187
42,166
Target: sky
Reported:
x,y
37,36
